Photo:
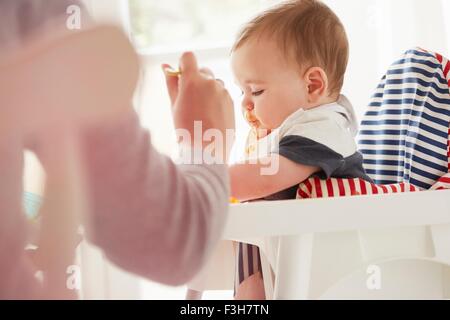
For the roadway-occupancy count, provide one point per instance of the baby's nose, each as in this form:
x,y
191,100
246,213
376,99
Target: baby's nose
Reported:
x,y
247,110
248,106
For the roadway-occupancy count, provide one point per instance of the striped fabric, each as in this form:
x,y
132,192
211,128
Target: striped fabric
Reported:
x,y
443,183
316,188
404,134
248,262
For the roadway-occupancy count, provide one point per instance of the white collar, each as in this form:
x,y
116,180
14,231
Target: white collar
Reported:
x,y
342,106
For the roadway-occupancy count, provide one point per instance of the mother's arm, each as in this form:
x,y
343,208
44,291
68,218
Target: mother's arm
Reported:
x,y
150,216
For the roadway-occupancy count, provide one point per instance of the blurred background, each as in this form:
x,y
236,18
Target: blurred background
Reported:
x,y
378,30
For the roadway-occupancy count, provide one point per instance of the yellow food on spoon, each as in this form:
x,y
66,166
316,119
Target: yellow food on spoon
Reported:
x,y
234,200
172,72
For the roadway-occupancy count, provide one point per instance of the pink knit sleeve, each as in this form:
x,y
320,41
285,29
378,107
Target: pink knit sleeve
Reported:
x,y
150,216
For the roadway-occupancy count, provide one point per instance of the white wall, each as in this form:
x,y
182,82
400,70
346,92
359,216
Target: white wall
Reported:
x,y
110,11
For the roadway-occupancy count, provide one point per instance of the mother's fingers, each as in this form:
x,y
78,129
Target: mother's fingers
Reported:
x,y
188,64
189,72
207,72
220,81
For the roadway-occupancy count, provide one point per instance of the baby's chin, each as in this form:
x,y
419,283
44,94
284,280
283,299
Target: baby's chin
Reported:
x,y
267,126
262,132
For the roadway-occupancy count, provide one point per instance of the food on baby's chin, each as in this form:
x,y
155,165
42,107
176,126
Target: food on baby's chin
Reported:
x,y
252,120
250,117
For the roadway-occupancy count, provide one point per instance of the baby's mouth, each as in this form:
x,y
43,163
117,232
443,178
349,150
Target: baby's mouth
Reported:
x,y
252,120
255,124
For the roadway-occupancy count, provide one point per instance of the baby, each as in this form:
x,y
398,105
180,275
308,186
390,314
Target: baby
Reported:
x,y
290,63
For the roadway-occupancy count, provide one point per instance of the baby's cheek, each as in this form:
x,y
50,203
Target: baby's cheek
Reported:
x,y
270,117
264,110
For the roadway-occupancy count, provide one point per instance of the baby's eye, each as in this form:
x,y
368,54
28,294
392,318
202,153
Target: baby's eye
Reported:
x,y
257,93
242,93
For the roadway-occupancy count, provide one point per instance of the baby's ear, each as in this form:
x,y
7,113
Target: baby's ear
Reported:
x,y
317,84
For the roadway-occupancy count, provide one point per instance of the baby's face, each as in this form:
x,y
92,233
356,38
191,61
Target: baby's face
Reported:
x,y
273,88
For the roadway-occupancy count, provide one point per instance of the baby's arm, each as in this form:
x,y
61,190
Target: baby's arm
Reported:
x,y
248,181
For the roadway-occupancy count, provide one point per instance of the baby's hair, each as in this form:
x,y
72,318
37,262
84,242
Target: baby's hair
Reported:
x,y
307,31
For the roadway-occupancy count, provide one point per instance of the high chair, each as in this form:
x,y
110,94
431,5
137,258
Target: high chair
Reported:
x,y
365,241
52,86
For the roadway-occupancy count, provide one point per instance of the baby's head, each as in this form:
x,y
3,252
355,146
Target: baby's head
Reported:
x,y
289,57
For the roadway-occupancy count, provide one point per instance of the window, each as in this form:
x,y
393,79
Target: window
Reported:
x,y
178,24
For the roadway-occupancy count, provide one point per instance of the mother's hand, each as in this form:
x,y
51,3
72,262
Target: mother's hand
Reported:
x,y
197,96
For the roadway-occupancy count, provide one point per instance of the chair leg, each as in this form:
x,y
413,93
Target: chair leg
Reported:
x,y
268,276
446,282
293,273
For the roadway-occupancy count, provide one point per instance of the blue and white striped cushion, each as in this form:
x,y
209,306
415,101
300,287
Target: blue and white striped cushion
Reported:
x,y
404,133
